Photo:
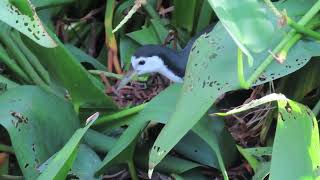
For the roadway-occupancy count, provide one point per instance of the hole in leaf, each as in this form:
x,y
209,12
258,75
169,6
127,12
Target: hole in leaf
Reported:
x,y
26,165
288,108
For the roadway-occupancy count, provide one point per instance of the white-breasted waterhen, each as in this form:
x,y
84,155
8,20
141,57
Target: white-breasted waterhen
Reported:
x,y
160,59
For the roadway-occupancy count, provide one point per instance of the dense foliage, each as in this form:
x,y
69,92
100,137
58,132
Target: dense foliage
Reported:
x,y
241,113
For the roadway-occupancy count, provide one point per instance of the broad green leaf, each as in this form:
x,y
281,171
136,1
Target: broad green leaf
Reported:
x,y
29,25
184,13
295,153
159,110
254,156
198,147
146,35
205,15
139,122
86,163
205,129
170,164
212,71
263,170
33,119
83,88
300,88
82,57
60,165
127,47
245,20
6,83
42,4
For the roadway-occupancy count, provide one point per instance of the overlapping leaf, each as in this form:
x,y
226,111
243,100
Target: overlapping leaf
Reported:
x,y
26,21
39,124
212,71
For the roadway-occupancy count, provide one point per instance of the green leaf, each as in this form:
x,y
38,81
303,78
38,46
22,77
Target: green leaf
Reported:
x,y
184,13
127,47
300,88
212,71
41,4
262,172
33,118
203,145
146,35
83,88
30,26
86,163
296,146
245,20
159,110
205,15
82,57
6,83
60,165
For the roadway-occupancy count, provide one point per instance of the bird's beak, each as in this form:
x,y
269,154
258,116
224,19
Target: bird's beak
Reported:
x,y
127,78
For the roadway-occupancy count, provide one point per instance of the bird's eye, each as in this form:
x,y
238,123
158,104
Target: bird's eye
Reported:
x,y
142,62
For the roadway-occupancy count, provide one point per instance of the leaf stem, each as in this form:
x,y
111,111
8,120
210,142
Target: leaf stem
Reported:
x,y
119,115
42,72
302,29
13,66
242,80
304,20
316,109
19,56
132,170
5,148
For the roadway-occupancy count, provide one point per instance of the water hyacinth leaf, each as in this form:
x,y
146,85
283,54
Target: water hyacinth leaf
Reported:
x,y
212,71
203,145
296,145
180,17
245,20
171,164
84,58
127,47
42,4
60,165
63,66
146,35
298,90
86,163
263,170
6,83
26,112
158,109
30,26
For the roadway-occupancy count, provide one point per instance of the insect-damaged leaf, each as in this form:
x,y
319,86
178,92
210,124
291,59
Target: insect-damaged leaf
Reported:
x,y
33,119
295,153
61,163
25,20
212,71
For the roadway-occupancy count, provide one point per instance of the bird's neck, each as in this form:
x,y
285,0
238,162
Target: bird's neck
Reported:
x,y
170,75
174,60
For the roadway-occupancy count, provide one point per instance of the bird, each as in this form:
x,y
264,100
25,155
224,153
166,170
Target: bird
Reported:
x,y
160,59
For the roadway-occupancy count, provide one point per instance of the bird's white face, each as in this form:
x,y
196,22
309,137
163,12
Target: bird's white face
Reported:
x,y
154,64
144,65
